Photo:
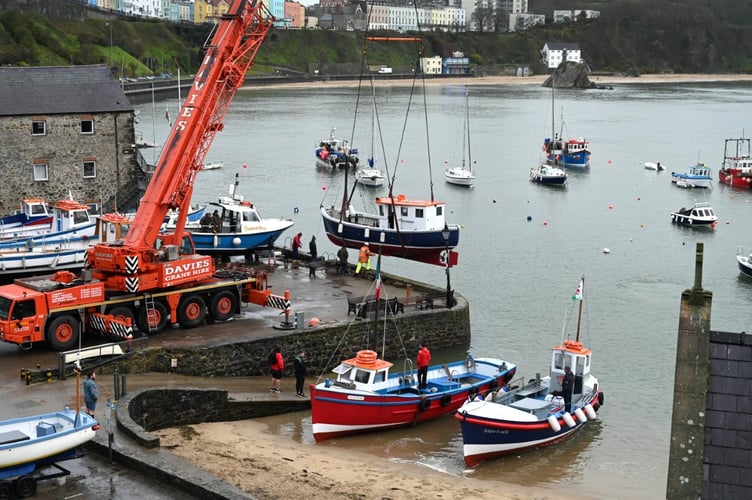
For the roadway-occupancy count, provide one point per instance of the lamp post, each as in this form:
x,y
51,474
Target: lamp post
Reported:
x,y
449,297
109,23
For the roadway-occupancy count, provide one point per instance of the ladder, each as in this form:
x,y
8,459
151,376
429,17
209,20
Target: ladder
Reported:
x,y
151,322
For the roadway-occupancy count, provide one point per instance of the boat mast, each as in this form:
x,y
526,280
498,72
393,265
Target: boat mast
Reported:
x,y
579,315
466,135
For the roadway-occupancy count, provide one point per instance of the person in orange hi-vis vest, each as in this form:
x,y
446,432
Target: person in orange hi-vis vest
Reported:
x,y
364,259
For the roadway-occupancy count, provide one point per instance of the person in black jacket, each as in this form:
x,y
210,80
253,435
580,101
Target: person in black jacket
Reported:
x,y
300,373
314,257
567,386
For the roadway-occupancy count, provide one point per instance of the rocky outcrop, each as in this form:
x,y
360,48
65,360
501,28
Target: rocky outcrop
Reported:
x,y
571,76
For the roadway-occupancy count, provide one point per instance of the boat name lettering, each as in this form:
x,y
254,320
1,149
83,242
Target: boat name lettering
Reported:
x,y
355,398
495,431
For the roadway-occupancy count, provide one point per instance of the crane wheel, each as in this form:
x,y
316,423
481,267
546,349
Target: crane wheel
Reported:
x,y
191,311
152,321
62,332
223,305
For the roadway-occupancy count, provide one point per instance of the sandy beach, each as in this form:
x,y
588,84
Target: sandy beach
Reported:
x,y
271,467
604,81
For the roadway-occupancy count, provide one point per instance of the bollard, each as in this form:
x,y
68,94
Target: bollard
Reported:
x,y
116,382
123,389
23,374
28,378
49,376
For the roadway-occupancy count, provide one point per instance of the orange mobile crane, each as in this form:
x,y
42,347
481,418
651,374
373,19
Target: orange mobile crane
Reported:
x,y
150,277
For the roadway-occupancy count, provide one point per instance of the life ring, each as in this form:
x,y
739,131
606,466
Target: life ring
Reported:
x,y
493,383
424,404
446,399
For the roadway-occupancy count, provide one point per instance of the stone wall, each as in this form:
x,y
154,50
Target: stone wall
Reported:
x,y
441,328
64,148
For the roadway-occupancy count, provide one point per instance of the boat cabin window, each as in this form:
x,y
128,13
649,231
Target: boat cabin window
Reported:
x,y
439,209
80,216
419,213
37,209
250,217
24,309
380,376
362,376
559,360
403,211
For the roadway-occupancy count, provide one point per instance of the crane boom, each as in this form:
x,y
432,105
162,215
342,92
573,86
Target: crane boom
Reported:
x,y
147,258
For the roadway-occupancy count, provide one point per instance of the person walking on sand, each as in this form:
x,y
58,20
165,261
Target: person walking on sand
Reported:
x,y
424,359
297,242
364,259
91,393
300,373
277,365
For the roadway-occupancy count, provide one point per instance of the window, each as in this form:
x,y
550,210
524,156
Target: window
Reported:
x,y
403,211
87,126
90,169
418,213
362,376
439,210
80,216
24,309
39,127
40,172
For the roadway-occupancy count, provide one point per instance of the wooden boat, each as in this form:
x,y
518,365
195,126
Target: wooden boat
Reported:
x,y
365,395
699,215
242,227
31,217
463,174
527,415
397,226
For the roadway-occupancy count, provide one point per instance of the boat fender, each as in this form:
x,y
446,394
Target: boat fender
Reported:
x,y
569,420
554,423
424,404
445,400
601,398
580,415
590,412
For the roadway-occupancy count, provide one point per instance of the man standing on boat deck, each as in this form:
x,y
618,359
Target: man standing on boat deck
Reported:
x,y
424,359
91,393
567,386
364,259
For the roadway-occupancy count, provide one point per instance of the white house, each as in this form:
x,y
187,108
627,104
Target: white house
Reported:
x,y
561,16
431,65
555,53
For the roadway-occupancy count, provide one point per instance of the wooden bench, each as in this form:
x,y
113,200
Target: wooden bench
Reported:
x,y
420,301
361,306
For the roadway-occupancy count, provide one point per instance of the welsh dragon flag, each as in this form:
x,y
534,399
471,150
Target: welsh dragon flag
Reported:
x,y
578,293
378,278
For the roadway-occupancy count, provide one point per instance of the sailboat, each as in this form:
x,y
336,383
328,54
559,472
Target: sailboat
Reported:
x,y
463,174
524,415
365,395
570,153
369,175
548,171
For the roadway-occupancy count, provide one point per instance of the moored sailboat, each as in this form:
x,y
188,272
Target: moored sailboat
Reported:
x,y
463,174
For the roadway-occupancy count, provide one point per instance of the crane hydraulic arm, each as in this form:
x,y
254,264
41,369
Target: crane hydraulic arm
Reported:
x,y
142,260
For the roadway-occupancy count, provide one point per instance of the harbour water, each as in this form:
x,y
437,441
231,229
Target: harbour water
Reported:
x,y
524,247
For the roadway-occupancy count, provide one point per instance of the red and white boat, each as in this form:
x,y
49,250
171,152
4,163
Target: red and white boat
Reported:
x,y
736,170
366,396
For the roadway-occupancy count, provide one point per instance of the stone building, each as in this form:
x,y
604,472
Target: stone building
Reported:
x,y
65,130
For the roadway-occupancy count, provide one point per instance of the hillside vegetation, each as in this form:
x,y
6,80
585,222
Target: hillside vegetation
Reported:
x,y
631,35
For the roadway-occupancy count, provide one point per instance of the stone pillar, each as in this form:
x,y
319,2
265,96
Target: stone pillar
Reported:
x,y
685,466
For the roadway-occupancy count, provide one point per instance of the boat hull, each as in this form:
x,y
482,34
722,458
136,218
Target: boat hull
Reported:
x,y
730,178
459,177
38,438
486,438
744,263
236,243
338,411
577,160
425,246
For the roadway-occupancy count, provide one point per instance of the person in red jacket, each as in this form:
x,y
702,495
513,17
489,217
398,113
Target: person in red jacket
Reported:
x,y
424,358
277,368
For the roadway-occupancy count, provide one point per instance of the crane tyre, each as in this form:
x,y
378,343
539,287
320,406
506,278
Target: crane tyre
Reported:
x,y
156,319
223,305
191,311
63,332
26,486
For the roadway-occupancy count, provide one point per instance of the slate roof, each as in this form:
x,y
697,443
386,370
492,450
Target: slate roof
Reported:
x,y
563,45
51,90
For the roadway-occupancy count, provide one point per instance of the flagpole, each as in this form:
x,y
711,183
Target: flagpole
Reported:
x,y
582,299
378,302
